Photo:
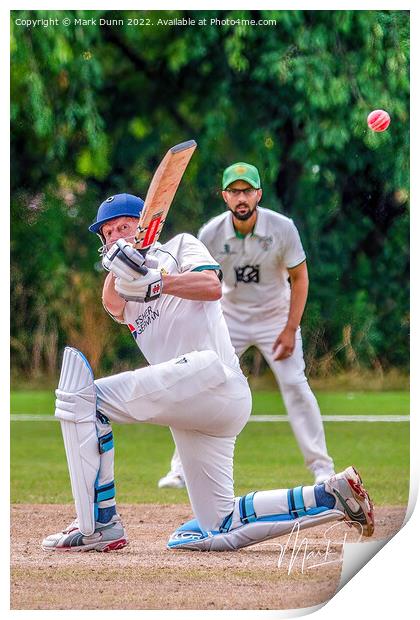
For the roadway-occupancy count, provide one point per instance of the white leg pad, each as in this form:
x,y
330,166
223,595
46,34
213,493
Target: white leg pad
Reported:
x,y
250,534
76,409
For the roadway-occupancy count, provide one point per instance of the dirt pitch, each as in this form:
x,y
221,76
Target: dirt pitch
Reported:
x,y
145,575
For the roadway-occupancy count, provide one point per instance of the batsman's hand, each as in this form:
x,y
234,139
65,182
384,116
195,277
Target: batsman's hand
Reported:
x,y
144,288
284,344
126,262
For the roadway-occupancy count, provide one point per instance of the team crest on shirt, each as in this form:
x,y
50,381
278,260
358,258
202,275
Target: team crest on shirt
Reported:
x,y
227,250
266,243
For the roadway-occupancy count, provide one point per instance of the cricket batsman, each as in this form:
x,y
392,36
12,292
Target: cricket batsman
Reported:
x,y
260,251
194,386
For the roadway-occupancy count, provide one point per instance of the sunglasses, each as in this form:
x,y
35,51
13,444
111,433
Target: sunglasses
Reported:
x,y
235,192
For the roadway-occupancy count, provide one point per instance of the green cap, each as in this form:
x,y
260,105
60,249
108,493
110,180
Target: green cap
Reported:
x,y
241,172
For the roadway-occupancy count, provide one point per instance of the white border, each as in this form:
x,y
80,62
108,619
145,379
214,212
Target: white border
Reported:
x,y
387,586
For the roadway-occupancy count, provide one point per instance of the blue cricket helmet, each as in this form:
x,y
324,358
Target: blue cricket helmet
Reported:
x,y
117,206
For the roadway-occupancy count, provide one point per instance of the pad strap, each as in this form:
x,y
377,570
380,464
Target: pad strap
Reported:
x,y
296,503
246,508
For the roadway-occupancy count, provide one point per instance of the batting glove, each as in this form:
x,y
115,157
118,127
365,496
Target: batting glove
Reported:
x,y
126,262
144,288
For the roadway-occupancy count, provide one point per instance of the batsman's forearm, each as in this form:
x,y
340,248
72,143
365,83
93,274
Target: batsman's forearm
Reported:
x,y
110,298
299,295
194,285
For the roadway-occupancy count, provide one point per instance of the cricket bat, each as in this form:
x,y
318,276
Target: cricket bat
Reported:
x,y
160,194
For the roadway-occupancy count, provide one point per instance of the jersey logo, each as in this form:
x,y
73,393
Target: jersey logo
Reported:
x,y
155,290
248,273
144,320
182,360
132,330
265,243
227,250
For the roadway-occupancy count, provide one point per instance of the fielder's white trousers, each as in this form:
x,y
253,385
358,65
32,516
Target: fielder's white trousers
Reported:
x,y
205,404
301,405
300,402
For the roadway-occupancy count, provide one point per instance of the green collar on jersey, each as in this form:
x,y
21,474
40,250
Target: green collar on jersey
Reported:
x,y
240,235
259,230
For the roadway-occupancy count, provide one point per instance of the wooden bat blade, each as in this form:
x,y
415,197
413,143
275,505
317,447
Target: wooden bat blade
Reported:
x,y
161,193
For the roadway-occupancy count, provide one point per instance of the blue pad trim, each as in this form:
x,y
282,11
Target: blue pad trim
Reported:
x,y
191,526
290,500
106,443
317,511
226,523
291,503
183,538
282,517
86,362
246,508
187,533
299,503
107,491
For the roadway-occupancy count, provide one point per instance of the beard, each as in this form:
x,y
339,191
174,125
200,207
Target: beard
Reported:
x,y
243,216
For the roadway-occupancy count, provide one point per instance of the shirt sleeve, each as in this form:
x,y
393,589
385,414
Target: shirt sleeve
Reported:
x,y
293,252
205,237
194,256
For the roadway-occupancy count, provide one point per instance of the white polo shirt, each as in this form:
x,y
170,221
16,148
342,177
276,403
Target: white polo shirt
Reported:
x,y
170,326
255,277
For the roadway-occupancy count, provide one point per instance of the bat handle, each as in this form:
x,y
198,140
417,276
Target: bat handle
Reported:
x,y
143,270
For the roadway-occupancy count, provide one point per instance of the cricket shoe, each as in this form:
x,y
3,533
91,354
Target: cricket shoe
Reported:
x,y
352,499
106,537
172,480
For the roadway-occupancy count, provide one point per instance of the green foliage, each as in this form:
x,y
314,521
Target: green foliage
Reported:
x,y
94,108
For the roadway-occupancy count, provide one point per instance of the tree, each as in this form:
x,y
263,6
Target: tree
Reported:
x,y
95,108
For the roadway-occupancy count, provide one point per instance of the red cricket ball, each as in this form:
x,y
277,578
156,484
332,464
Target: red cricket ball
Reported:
x,y
378,120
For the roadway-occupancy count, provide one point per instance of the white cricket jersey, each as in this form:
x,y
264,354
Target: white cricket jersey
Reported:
x,y
255,276
170,326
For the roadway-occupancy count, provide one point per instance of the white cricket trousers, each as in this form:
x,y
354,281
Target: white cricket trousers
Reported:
x,y
301,405
205,404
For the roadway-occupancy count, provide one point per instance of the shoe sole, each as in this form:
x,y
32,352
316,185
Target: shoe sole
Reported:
x,y
113,545
362,498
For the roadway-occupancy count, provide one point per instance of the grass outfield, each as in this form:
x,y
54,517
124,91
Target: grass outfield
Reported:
x,y
269,402
266,454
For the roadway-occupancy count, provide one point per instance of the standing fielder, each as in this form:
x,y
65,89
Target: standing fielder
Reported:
x,y
195,386
259,250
